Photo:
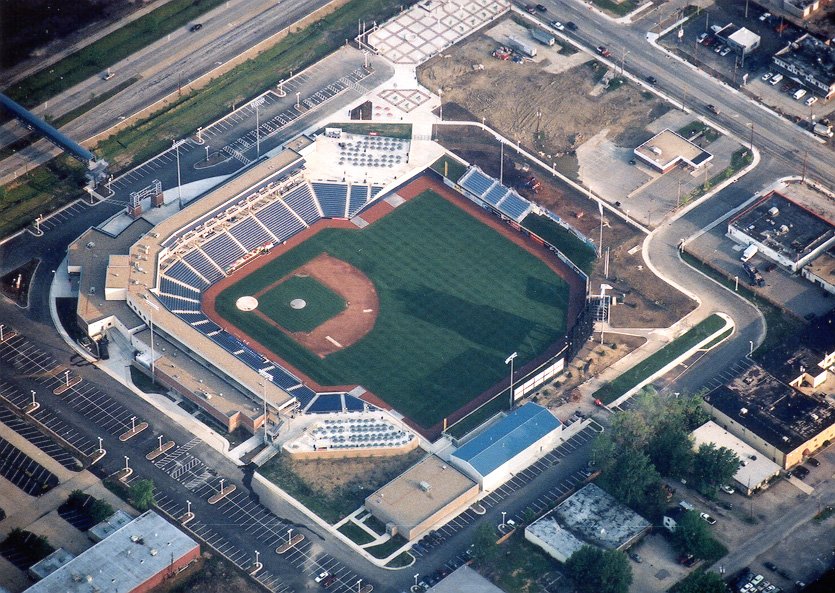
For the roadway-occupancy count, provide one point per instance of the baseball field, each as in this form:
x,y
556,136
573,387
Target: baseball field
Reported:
x,y
449,299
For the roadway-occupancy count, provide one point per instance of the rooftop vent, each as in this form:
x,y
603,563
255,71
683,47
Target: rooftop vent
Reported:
x,y
425,486
773,211
743,411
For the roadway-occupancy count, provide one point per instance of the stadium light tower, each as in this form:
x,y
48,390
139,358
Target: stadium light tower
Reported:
x,y
509,360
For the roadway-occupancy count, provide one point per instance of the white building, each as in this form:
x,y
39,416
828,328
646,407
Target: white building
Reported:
x,y
511,444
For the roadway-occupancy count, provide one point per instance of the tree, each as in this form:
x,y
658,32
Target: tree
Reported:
x,y
692,536
671,452
100,510
142,494
630,477
484,544
599,571
700,581
713,466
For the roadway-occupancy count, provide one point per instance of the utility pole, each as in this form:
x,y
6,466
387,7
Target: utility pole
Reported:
x,y
805,157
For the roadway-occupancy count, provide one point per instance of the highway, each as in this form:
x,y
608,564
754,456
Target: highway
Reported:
x,y
163,67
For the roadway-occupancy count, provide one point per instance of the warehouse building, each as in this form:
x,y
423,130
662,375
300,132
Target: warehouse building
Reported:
x,y
511,444
133,559
810,61
427,494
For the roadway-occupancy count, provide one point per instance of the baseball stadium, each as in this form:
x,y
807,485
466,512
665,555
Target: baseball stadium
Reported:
x,y
325,295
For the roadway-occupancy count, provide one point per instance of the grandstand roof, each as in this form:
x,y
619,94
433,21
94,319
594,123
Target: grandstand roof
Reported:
x,y
507,438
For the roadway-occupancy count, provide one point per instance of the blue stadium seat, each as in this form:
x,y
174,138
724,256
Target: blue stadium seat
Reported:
x,y
332,198
250,234
222,250
183,273
197,260
279,220
301,200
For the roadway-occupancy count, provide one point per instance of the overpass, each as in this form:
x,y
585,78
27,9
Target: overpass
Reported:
x,y
33,122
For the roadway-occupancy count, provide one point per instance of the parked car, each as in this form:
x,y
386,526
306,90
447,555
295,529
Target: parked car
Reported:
x,y
196,27
800,472
811,101
725,51
770,566
799,94
558,25
329,581
636,557
765,16
775,80
707,518
726,489
322,576
687,560
701,38
813,462
719,48
766,76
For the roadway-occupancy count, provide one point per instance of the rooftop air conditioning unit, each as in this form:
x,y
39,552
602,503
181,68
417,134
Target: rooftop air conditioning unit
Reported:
x,y
773,211
425,486
743,411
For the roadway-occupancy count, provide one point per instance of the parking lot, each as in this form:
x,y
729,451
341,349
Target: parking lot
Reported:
x,y
24,472
37,438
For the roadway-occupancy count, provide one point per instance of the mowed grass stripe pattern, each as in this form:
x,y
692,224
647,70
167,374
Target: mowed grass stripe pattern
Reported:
x,y
456,298
321,304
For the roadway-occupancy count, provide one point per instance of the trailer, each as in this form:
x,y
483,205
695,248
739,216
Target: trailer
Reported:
x,y
543,37
521,47
749,252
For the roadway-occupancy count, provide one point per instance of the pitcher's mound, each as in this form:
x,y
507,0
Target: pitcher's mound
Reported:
x,y
246,303
298,304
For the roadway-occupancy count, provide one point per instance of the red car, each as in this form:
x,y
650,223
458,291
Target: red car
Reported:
x,y
329,581
603,51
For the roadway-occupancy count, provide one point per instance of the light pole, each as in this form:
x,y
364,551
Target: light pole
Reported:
x,y
33,397
736,283
188,507
257,557
501,161
100,445
359,582
509,360
132,423
267,377
1,332
289,536
160,442
67,377
298,99
126,463
417,574
207,152
221,485
255,105
751,344
503,516
177,144
154,307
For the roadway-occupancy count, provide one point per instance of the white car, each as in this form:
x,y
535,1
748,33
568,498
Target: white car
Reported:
x,y
322,576
701,38
707,518
726,489
766,76
811,101
725,51
765,16
558,25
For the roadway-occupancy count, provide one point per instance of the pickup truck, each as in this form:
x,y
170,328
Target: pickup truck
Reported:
x,y
603,51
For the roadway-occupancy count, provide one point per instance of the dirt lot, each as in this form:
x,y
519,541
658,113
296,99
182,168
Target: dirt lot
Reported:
x,y
646,300
210,574
563,103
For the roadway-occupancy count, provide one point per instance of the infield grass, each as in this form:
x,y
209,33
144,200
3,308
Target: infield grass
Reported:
x,y
321,304
456,297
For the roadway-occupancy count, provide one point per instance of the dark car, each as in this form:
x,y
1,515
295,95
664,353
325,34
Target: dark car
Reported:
x,y
770,566
541,8
687,560
652,79
531,8
571,26
329,581
713,109
801,472
813,462
196,27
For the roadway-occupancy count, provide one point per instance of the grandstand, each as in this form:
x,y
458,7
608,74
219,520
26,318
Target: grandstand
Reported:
x,y
486,191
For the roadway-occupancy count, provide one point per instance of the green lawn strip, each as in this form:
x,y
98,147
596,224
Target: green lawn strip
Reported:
x,y
402,560
321,304
388,547
578,251
616,8
375,525
455,297
479,416
355,533
108,50
740,159
781,325
401,131
454,168
718,338
610,392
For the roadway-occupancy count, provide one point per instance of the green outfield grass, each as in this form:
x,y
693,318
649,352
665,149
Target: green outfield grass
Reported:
x,y
322,304
456,298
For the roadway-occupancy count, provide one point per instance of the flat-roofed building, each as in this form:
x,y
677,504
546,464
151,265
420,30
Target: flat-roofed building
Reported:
x,y
821,271
779,421
133,559
783,230
589,516
427,494
755,469
667,150
465,580
811,61
740,39
509,445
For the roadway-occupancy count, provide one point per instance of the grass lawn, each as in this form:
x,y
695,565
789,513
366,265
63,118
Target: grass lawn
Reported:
x,y
401,131
455,298
516,565
616,8
479,416
322,304
454,168
356,534
387,547
609,393
108,50
401,560
581,253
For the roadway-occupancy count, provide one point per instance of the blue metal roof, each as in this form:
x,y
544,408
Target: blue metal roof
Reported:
x,y
507,438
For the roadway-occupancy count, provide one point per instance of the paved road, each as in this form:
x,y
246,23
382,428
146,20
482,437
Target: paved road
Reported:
x,y
164,66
